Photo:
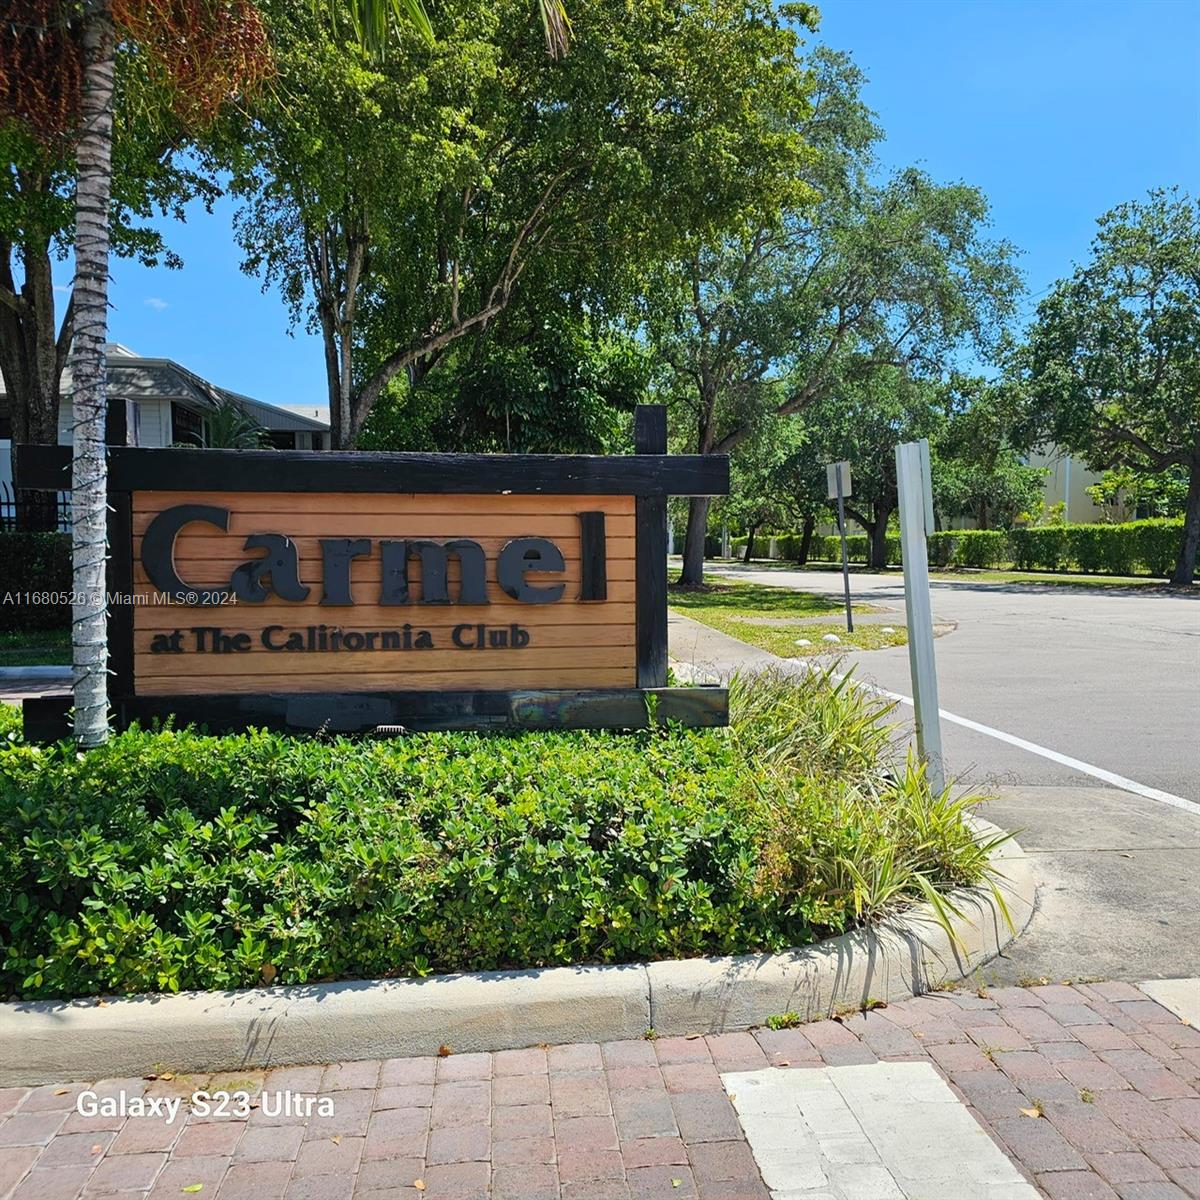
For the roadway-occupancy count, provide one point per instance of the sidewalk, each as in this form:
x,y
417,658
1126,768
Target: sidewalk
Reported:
x,y
1087,1092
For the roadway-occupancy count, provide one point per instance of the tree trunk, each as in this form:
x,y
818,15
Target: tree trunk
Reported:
x,y
692,574
1185,564
983,513
31,360
750,544
89,471
806,537
879,541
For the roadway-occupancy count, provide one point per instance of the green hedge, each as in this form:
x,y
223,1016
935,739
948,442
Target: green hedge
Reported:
x,y
35,563
172,859
1134,548
968,548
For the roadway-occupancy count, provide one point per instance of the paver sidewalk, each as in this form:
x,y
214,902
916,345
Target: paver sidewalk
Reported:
x,y
1091,1092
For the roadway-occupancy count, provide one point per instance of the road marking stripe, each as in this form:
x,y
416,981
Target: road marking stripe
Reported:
x,y
1119,781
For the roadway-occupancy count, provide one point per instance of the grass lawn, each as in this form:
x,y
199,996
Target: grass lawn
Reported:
x,y
1048,579
775,619
36,648
973,575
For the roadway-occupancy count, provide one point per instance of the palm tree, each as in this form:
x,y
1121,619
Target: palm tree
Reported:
x,y
62,86
89,464
230,427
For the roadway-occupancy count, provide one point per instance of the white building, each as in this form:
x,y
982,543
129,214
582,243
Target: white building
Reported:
x,y
158,402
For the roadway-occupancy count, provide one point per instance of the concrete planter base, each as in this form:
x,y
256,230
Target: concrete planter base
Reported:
x,y
48,1041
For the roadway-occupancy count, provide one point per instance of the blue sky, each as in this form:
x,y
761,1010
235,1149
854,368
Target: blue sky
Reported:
x,y
1057,109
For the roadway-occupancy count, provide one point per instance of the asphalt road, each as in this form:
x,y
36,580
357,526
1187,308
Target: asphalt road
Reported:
x,y
1107,677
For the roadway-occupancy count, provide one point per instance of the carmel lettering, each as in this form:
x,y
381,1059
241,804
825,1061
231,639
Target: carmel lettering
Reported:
x,y
525,568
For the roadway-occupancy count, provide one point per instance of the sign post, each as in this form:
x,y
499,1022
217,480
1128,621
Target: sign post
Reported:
x,y
916,522
837,476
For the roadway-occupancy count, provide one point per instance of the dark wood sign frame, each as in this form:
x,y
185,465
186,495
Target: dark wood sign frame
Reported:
x,y
650,475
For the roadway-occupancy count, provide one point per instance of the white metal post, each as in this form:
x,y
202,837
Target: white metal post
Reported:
x,y
841,509
916,521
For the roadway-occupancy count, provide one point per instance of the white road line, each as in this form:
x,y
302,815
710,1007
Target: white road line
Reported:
x,y
1119,781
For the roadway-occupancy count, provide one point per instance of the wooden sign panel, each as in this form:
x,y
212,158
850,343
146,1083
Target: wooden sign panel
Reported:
x,y
359,592
323,620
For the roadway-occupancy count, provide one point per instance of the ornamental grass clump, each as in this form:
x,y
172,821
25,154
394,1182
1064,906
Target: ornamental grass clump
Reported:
x,y
171,859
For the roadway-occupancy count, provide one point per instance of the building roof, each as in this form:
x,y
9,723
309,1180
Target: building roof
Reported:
x,y
132,377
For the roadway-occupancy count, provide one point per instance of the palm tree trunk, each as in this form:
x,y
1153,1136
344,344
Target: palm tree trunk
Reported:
x,y
89,467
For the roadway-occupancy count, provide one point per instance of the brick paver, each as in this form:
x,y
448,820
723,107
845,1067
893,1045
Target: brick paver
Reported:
x,y
1091,1091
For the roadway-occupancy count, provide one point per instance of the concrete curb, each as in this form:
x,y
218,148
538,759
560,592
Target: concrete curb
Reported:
x,y
49,1041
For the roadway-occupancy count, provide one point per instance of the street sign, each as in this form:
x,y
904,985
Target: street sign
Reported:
x,y
838,475
831,480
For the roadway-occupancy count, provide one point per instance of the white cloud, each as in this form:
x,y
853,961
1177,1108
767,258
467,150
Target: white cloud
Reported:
x,y
156,303
61,289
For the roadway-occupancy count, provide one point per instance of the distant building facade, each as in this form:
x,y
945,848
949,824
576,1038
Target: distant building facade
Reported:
x,y
157,402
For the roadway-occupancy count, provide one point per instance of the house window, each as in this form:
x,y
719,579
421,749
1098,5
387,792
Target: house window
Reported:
x,y
281,439
187,427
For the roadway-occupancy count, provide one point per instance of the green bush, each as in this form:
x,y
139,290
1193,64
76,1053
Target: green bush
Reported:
x,y
1039,548
34,563
1131,548
968,548
1135,547
1156,544
171,859
1090,547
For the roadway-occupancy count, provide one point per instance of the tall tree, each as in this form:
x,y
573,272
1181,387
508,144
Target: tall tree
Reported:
x,y
1113,359
540,383
402,205
37,215
980,470
59,83
89,398
889,275
763,491
872,410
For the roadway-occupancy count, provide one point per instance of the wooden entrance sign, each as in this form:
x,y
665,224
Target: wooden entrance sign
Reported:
x,y
361,591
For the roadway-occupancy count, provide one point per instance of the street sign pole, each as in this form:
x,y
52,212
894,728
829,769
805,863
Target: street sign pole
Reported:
x,y
916,522
841,503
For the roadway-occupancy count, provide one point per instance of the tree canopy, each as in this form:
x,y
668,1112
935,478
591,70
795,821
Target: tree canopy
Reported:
x,y
1112,364
860,275
400,206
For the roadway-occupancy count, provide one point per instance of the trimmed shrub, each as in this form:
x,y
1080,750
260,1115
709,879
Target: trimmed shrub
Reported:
x,y
34,565
1090,547
1039,547
1156,544
968,548
171,859
1135,547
